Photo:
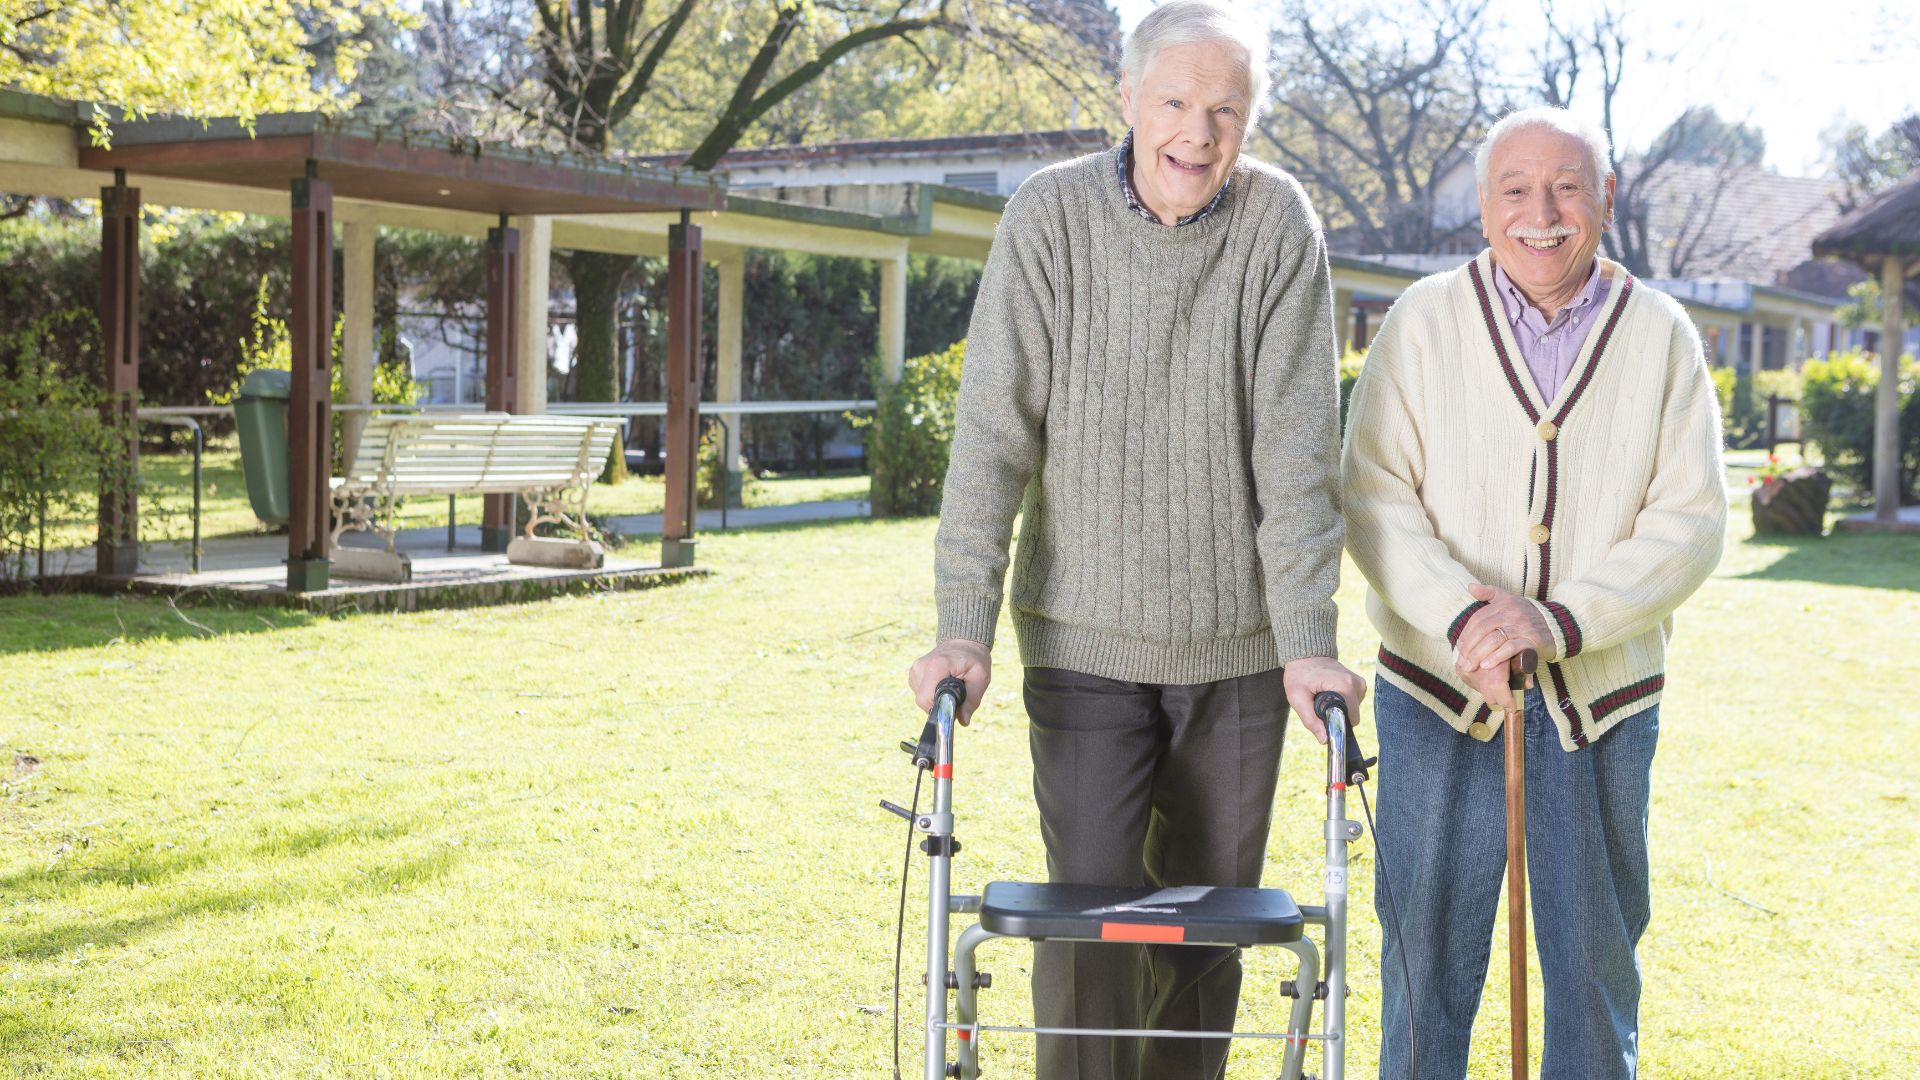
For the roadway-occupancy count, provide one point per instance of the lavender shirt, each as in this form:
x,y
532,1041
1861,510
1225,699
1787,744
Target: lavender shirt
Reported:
x,y
1549,348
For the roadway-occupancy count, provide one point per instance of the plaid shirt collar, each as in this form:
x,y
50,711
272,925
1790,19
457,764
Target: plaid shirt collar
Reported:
x,y
1125,166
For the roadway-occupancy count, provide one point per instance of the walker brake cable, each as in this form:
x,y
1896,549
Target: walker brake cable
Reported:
x,y
900,920
1393,914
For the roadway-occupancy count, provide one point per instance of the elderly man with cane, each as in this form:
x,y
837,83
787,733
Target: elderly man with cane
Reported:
x,y
1532,463
1150,386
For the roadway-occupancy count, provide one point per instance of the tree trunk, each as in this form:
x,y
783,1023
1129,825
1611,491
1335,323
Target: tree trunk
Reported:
x,y
597,280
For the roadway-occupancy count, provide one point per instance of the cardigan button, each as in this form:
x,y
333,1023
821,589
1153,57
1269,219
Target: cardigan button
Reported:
x,y
1479,730
1539,534
1548,430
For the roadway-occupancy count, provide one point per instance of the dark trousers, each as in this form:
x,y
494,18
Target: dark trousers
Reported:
x,y
1140,783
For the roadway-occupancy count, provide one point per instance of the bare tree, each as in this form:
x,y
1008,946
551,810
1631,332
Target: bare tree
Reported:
x,y
1371,112
1690,232
1866,162
601,60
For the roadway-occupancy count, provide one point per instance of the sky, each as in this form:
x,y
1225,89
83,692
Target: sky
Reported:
x,y
1791,68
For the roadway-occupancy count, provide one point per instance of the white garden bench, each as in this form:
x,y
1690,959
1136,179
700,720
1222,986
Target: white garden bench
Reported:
x,y
549,461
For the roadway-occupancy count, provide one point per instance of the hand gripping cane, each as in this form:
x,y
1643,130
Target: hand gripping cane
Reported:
x,y
1519,680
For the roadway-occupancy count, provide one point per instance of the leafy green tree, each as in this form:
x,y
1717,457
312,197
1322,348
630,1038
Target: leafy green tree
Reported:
x,y
188,57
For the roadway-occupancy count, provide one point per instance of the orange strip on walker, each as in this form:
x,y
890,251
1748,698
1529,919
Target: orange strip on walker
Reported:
x,y
1120,931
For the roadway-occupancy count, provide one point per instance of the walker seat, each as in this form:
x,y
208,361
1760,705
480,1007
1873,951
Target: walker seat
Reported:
x,y
1189,915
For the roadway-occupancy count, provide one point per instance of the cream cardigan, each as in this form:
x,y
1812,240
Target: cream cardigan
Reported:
x,y
1605,507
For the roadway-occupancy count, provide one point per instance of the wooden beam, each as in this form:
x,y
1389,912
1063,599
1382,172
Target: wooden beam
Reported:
x,y
118,552
682,450
310,410
1886,411
503,364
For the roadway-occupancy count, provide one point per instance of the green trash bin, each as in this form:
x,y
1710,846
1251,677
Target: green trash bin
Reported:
x,y
260,414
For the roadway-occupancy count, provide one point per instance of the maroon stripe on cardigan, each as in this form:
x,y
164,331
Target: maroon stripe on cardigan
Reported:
x,y
1546,518
1500,346
1424,679
1599,350
1486,711
1567,705
1460,621
1569,628
1627,695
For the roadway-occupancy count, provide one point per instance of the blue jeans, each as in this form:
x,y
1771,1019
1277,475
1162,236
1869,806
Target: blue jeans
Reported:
x,y
1442,835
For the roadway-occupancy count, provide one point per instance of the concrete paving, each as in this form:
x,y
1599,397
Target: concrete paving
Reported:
x,y
1907,521
252,569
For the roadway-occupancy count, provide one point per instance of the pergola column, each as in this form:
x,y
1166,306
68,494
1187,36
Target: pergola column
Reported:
x,y
1886,406
356,341
310,410
1342,320
536,263
727,380
893,315
119,545
681,453
503,362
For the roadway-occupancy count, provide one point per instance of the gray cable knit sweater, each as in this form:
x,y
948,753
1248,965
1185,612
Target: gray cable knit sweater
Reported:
x,y
1160,407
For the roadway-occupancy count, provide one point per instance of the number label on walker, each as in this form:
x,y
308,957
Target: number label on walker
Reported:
x,y
1336,881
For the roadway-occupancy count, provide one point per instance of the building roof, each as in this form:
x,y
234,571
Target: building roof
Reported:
x,y
1067,140
386,165
1889,224
1706,221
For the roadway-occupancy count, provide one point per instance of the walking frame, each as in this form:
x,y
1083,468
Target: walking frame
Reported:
x,y
1212,916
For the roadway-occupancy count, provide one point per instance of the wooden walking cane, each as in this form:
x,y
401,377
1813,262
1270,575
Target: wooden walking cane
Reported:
x,y
1519,680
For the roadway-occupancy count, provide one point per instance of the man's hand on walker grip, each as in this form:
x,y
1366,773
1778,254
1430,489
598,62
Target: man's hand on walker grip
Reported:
x,y
1309,675
969,661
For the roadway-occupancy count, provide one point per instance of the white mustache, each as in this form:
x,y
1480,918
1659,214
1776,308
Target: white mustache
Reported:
x,y
1551,232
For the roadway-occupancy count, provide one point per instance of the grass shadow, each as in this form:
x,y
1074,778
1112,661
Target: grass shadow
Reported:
x,y
1863,560
36,622
292,879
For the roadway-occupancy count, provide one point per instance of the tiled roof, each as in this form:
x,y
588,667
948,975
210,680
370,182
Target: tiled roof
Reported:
x,y
1747,224
1888,224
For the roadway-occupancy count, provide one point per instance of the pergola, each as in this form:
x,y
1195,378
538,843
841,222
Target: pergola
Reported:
x,y
324,170
1883,238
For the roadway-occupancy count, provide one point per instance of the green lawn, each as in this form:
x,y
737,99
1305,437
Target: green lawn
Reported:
x,y
636,834
167,499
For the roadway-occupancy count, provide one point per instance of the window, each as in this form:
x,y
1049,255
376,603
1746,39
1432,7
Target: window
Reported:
x,y
985,182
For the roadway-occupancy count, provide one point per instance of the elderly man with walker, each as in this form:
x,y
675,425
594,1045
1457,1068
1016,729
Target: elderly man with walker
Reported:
x,y
1532,465
1150,386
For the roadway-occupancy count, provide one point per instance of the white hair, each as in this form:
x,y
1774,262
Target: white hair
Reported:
x,y
1186,22
1553,118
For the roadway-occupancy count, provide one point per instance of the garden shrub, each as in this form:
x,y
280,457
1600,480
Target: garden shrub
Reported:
x,y
1723,389
270,345
911,432
1836,411
55,448
1350,366
1785,384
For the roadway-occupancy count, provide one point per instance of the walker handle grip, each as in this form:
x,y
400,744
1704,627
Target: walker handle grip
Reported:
x,y
954,687
1356,763
1326,701
955,690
